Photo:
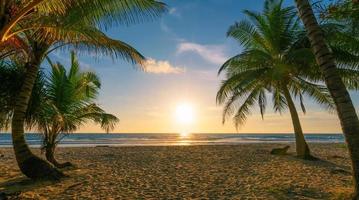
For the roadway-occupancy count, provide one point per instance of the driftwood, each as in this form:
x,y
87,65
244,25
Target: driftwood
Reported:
x,y
280,151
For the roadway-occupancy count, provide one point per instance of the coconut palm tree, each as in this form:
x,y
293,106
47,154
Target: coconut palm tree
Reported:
x,y
344,105
42,28
67,103
59,105
35,51
276,59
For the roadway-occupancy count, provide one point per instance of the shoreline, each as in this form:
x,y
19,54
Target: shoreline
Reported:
x,y
91,140
243,171
172,144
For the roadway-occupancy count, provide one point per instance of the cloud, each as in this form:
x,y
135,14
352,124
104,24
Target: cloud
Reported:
x,y
165,28
161,67
212,53
174,12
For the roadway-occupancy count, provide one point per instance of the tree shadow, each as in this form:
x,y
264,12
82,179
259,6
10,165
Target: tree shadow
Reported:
x,y
334,168
22,184
294,192
14,187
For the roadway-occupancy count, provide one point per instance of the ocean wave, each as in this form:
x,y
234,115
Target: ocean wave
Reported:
x,y
173,139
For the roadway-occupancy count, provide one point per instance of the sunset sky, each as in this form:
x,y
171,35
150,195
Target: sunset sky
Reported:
x,y
185,49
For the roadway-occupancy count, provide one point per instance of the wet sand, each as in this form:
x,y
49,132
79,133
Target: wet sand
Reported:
x,y
245,171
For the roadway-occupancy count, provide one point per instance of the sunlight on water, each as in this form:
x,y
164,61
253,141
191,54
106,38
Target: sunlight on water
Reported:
x,y
184,138
184,135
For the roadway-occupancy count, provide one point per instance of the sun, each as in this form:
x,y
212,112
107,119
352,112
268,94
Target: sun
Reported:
x,y
185,117
184,114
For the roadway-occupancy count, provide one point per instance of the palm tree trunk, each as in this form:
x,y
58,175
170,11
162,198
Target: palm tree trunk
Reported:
x,y
300,143
50,147
29,164
345,109
50,156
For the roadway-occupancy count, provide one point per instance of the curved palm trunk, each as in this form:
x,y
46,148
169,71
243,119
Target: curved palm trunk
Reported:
x,y
50,156
50,147
346,111
29,164
301,145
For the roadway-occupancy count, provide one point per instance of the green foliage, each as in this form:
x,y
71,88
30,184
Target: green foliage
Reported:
x,y
70,101
275,58
76,24
12,75
61,102
98,13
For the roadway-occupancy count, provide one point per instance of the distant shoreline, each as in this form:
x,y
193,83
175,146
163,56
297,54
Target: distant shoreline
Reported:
x,y
191,133
160,139
168,145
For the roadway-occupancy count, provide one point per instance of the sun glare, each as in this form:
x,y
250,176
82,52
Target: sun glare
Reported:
x,y
184,118
184,134
184,114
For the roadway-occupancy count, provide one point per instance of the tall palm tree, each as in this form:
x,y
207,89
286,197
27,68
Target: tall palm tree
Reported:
x,y
273,61
31,165
54,27
344,105
66,103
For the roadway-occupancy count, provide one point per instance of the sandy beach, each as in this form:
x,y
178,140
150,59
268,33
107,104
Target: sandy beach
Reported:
x,y
245,171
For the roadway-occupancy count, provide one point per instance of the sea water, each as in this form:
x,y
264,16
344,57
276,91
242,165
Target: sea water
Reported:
x,y
160,139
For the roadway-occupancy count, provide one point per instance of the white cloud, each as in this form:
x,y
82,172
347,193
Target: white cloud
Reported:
x,y
212,53
174,12
161,67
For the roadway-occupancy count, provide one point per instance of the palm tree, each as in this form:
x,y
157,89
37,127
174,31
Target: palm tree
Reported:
x,y
275,60
344,105
104,13
44,28
67,102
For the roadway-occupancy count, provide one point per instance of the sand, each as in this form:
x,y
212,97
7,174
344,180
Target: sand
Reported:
x,y
245,171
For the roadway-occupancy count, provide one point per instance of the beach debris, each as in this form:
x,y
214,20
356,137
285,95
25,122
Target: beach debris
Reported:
x,y
340,171
280,151
336,156
74,186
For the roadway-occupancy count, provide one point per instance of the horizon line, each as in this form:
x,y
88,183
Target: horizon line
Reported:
x,y
331,133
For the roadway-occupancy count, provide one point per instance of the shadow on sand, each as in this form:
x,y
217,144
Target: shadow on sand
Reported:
x,y
13,187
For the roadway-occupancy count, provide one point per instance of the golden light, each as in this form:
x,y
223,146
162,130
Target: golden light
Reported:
x,y
184,118
184,114
184,134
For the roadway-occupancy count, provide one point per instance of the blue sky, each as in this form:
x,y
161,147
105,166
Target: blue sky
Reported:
x,y
185,48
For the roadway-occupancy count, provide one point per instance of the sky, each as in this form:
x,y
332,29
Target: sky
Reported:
x,y
184,48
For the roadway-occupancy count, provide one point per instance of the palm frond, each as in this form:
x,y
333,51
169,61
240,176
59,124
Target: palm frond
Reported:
x,y
244,109
279,101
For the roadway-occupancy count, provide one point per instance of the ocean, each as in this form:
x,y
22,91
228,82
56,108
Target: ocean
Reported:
x,y
160,139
